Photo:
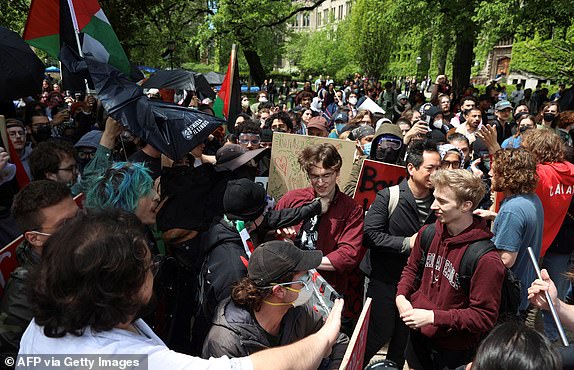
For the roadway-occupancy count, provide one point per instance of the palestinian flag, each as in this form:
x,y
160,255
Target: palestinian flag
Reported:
x,y
227,104
47,28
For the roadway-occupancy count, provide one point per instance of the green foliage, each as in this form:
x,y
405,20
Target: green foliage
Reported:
x,y
325,51
14,14
547,58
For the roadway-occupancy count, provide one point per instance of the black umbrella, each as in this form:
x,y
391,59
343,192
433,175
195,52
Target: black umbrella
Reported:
x,y
170,128
180,79
21,70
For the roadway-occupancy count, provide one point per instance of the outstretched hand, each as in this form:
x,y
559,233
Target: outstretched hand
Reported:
x,y
489,135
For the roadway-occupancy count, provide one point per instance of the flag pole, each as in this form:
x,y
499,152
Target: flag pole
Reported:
x,y
76,27
233,59
77,34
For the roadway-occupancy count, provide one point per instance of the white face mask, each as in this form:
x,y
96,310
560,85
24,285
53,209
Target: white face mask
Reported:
x,y
245,103
304,296
352,101
262,99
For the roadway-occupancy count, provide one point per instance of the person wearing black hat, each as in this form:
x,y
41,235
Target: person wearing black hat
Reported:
x,y
268,307
228,243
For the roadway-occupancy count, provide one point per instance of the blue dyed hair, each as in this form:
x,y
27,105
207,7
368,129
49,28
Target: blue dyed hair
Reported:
x,y
122,186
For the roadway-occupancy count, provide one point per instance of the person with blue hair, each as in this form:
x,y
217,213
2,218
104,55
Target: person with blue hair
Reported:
x,y
127,186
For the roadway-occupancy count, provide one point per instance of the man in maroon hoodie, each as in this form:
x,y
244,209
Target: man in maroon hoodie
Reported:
x,y
447,323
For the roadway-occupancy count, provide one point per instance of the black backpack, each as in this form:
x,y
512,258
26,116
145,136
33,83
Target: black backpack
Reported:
x,y
510,296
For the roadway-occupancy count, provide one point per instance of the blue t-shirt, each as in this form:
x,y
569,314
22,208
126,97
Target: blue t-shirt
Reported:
x,y
512,142
517,226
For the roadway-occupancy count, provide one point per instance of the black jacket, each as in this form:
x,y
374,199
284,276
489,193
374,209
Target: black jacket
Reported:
x,y
384,236
236,333
225,257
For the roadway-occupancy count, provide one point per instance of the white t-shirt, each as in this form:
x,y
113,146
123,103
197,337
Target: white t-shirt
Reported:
x,y
119,341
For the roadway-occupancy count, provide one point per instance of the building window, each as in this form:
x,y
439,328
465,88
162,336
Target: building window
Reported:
x,y
326,15
332,13
306,18
340,15
319,19
297,20
348,8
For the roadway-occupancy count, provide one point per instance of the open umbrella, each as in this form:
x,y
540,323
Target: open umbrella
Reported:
x,y
170,128
180,79
22,71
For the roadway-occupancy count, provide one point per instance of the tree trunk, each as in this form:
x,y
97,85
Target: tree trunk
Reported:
x,y
441,61
255,67
463,55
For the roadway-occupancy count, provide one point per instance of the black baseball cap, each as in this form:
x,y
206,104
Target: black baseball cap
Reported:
x,y
273,259
244,200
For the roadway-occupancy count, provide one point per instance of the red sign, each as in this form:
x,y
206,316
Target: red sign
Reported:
x,y
355,354
376,176
8,260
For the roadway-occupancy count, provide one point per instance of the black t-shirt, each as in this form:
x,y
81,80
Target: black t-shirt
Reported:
x,y
154,164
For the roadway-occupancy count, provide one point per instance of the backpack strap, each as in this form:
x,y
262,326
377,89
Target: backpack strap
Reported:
x,y
426,239
394,193
470,259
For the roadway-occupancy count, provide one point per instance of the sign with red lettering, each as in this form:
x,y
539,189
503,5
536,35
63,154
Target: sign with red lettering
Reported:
x,y
376,176
355,354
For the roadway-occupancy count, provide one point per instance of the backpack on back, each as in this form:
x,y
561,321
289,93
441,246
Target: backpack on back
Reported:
x,y
510,295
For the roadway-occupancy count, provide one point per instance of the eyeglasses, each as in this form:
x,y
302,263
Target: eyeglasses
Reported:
x,y
72,168
324,177
254,140
455,165
289,283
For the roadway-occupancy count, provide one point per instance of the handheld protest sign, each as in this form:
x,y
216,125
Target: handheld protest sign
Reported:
x,y
374,177
549,300
355,354
324,295
285,173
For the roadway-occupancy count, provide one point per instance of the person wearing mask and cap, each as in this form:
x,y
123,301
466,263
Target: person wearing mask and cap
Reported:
x,y
267,308
387,146
504,126
317,127
228,242
363,136
340,120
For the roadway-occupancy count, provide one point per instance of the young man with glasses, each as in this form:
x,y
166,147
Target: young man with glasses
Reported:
x,y
54,160
339,232
267,308
40,209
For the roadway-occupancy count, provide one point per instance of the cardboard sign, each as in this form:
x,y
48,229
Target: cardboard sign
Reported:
x,y
376,176
355,354
285,173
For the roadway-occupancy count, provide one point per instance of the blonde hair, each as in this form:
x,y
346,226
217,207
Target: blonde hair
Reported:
x,y
464,184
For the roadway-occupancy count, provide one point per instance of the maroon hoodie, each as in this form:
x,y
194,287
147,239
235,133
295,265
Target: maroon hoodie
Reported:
x,y
459,319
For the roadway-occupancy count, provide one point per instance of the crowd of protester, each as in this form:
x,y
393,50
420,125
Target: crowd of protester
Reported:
x,y
195,256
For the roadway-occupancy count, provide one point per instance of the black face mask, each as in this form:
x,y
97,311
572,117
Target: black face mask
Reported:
x,y
387,155
523,128
549,117
42,134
